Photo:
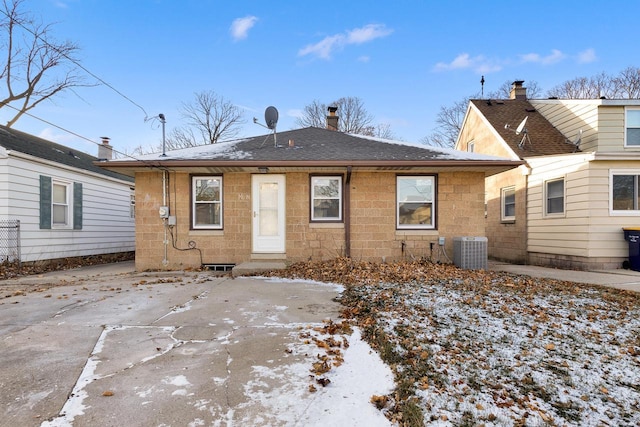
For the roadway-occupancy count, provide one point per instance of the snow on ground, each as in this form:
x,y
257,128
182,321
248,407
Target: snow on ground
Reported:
x,y
344,401
507,357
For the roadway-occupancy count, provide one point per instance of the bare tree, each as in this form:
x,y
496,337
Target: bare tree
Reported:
x,y
448,124
209,118
449,118
381,130
584,88
504,91
36,67
627,84
352,116
313,115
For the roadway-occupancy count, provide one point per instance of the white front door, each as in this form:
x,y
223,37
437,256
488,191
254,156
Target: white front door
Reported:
x,y
268,196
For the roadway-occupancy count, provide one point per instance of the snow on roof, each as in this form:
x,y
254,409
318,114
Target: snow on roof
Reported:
x,y
317,145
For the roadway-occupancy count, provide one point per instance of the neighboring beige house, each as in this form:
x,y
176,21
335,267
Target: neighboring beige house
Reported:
x,y
305,194
567,205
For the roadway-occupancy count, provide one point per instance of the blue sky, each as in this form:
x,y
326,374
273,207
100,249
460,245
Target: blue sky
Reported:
x,y
404,59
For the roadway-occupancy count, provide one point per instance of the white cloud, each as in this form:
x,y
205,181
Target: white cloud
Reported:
x,y
295,113
367,33
479,64
324,47
364,58
327,46
240,27
587,56
554,57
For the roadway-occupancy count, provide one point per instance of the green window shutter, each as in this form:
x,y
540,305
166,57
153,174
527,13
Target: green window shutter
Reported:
x,y
77,206
45,202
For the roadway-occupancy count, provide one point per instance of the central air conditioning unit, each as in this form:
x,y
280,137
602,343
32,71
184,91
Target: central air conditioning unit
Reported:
x,y
470,253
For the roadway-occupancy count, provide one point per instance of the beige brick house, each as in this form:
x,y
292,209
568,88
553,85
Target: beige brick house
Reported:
x,y
567,205
304,194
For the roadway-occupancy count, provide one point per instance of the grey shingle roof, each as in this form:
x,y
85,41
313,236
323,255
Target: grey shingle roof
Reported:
x,y
314,145
326,145
15,140
544,137
312,148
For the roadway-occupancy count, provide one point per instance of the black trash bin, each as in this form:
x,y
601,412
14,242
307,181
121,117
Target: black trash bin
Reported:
x,y
632,235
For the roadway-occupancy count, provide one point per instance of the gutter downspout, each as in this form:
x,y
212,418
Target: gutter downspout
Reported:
x,y
165,261
347,214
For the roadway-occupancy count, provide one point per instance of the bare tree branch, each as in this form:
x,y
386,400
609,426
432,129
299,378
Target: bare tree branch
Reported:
x,y
209,119
504,91
353,117
627,84
585,88
314,115
33,59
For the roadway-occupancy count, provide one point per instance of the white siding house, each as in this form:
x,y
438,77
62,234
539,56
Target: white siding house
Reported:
x,y
581,184
65,204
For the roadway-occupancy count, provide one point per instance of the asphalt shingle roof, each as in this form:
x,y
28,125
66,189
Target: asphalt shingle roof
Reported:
x,y
15,140
544,138
316,145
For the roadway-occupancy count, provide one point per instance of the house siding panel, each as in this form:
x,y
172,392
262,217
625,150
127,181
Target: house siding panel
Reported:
x,y
571,116
105,230
588,236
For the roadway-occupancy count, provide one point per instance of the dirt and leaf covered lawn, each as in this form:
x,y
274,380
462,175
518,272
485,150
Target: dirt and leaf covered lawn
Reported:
x,y
472,348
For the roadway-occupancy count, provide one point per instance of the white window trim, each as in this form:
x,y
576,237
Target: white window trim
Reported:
x,y
612,172
193,203
69,204
471,147
313,198
132,204
626,110
503,216
545,206
431,226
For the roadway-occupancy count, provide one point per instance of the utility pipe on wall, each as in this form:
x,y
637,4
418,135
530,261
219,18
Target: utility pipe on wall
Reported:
x,y
347,214
165,261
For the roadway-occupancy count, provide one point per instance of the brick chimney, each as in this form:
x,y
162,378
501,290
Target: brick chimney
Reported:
x,y
332,119
517,90
105,151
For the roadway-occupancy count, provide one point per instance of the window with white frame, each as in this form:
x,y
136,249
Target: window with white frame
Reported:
x,y
471,146
632,125
326,198
508,203
415,202
554,197
132,203
207,202
60,204
625,191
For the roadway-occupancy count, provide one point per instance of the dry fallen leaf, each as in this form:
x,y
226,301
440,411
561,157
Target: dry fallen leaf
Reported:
x,y
379,401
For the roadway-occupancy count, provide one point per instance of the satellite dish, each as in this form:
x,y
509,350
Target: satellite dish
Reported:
x,y
271,117
520,127
578,139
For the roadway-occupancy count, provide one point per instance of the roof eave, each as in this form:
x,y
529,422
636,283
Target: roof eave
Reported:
x,y
129,167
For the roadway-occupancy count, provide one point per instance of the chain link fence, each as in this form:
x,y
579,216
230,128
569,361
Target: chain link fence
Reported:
x,y
10,241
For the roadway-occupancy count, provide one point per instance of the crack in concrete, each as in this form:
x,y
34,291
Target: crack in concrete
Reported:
x,y
183,307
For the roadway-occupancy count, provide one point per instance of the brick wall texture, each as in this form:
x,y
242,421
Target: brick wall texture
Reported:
x,y
507,239
374,237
